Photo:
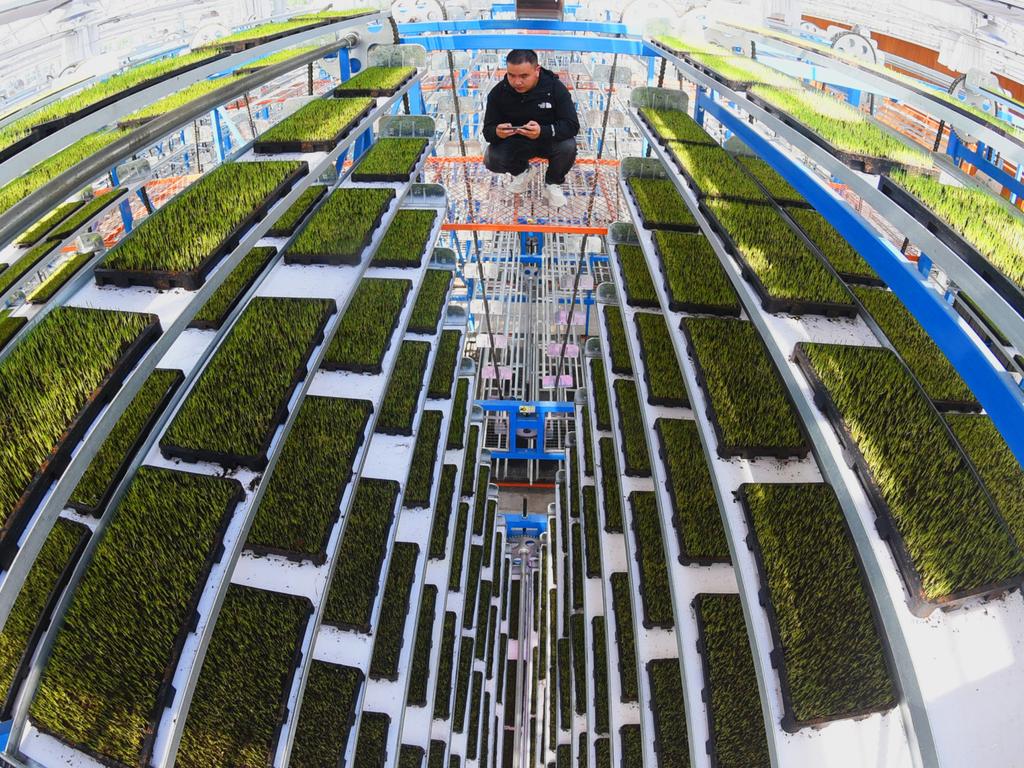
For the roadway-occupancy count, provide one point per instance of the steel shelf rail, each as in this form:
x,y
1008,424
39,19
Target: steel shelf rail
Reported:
x,y
920,738
31,208
489,25
45,516
541,42
992,385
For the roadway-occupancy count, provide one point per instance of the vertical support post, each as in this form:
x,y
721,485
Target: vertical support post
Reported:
x,y
924,265
144,197
218,138
344,66
651,77
1018,175
416,103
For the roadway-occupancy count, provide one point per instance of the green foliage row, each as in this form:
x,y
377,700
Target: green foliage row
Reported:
x,y
30,607
744,390
592,530
426,312
734,711
104,675
635,277
319,122
382,79
462,684
424,456
611,493
483,606
77,349
110,462
389,636
278,58
661,369
391,157
458,548
667,703
216,309
406,240
675,125
695,515
372,744
577,627
289,221
176,100
832,652
598,382
492,508
743,70
365,330
937,375
443,373
327,715
443,513
260,31
445,660
403,393
9,326
655,592
836,250
59,278
714,172
588,446
777,187
785,266
631,427
600,649
75,221
195,224
618,348
622,607
25,263
981,218
564,683
955,541
844,127
419,669
341,227
235,405
603,752
694,277
41,228
473,730
469,461
364,543
457,427
576,538
303,497
476,555
660,204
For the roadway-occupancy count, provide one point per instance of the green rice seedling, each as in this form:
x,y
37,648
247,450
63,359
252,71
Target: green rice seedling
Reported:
x,y
419,671
577,628
37,411
577,567
290,219
833,659
675,125
75,221
667,704
788,272
473,729
984,221
655,593
364,543
177,100
457,427
403,392
999,469
592,529
684,45
695,514
376,81
631,428
483,605
316,126
341,228
602,746
9,326
777,187
250,660
734,712
632,744
714,173
844,127
41,228
237,403
743,71
564,689
117,451
611,493
390,159
31,608
937,375
750,409
443,374
588,448
694,277
211,211
602,413
410,756
618,349
837,251
660,205
480,500
59,278
636,278
329,709
426,312
919,474
424,456
622,608
389,636
272,30
462,684
333,15
443,513
443,690
29,260
600,651
278,58
223,300
665,384
156,551
364,333
303,498
469,462
406,240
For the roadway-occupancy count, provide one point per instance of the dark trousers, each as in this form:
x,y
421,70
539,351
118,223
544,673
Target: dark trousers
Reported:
x,y
512,155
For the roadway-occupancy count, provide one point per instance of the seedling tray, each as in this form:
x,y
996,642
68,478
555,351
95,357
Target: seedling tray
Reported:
x,y
38,301
400,263
193,280
691,306
244,45
664,140
53,466
365,628
372,370
884,522
257,462
208,325
1004,286
648,624
789,723
262,147
770,303
701,194
629,469
286,689
745,452
736,85
660,225
388,177
98,509
342,92
337,259
681,401
18,146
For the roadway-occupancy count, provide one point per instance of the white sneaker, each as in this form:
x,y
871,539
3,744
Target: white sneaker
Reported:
x,y
521,183
556,197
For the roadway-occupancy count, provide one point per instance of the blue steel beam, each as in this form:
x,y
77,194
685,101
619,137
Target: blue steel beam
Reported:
x,y
486,25
484,42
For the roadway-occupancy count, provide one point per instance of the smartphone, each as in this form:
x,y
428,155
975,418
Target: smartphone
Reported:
x,y
517,127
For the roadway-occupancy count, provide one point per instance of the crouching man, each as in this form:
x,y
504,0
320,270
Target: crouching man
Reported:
x,y
530,114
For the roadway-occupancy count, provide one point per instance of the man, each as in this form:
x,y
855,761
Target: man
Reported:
x,y
530,114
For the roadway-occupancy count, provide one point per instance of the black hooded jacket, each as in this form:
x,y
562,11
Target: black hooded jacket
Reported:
x,y
548,102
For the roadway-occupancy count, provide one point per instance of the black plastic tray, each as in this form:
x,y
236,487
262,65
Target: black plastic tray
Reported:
x,y
689,306
388,177
207,325
648,624
342,93
338,259
365,629
262,147
378,368
695,227
666,402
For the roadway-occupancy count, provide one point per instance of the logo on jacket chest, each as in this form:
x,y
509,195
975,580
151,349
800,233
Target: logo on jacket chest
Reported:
x,y
544,105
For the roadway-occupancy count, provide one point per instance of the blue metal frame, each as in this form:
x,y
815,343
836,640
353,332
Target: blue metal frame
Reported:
x,y
980,157
485,25
518,420
993,386
486,42
531,525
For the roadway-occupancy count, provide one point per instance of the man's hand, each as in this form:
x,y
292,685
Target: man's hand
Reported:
x,y
504,130
531,130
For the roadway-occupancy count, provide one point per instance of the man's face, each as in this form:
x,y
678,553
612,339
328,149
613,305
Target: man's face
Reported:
x,y
522,77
